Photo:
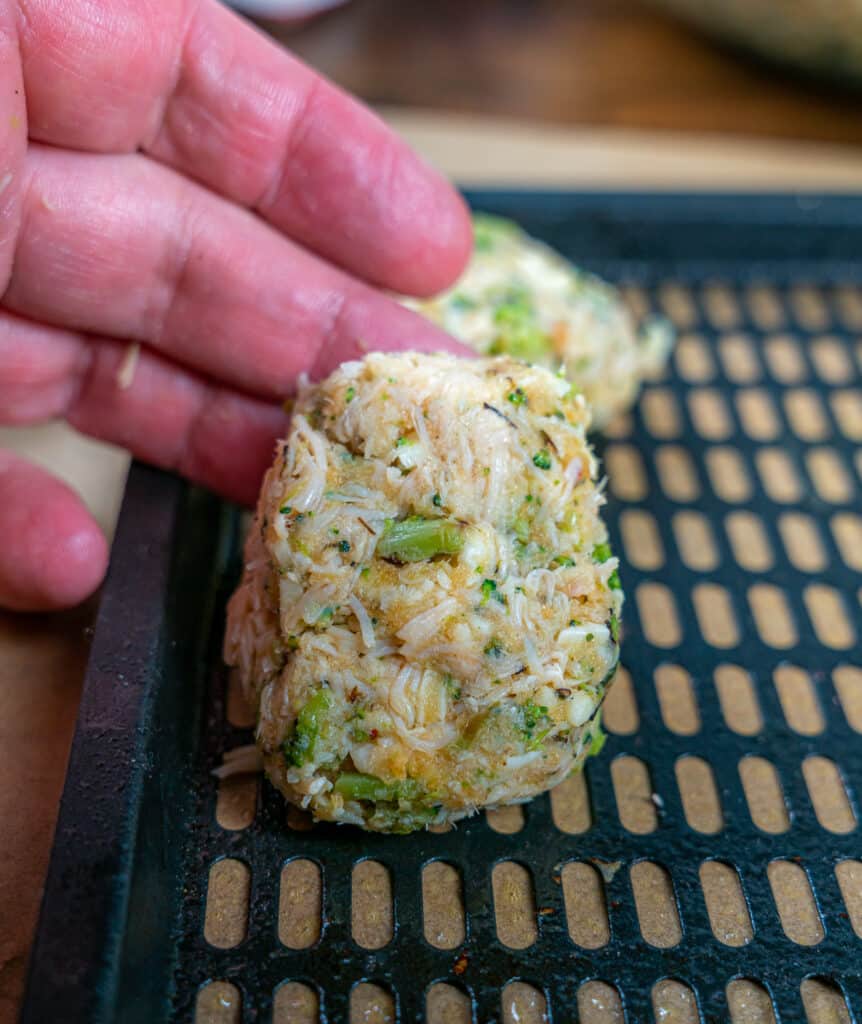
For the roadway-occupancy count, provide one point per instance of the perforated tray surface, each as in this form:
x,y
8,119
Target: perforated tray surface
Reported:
x,y
705,868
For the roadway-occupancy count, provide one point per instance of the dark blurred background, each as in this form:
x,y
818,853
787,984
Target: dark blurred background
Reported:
x,y
613,63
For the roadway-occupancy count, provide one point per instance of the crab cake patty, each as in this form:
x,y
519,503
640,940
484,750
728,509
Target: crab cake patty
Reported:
x,y
429,612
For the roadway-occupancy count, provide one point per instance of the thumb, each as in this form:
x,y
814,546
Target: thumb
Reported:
x,y
52,553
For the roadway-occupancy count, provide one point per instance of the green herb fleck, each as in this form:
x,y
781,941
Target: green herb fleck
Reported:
x,y
532,712
529,717
350,394
344,546
285,510
614,627
602,552
542,459
494,649
517,397
452,687
461,302
614,581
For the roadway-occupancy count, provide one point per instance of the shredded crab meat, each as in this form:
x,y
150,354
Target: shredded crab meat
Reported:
x,y
429,611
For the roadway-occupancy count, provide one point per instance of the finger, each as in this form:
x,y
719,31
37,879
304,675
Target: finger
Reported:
x,y
13,139
215,437
136,399
53,555
119,246
206,93
42,370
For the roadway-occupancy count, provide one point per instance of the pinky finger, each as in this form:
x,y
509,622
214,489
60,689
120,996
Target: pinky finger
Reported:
x,y
53,554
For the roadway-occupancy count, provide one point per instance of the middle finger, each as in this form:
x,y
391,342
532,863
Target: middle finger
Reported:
x,y
118,245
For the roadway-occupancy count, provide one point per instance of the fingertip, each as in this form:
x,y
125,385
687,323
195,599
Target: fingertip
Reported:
x,y
80,561
56,556
428,233
443,247
359,195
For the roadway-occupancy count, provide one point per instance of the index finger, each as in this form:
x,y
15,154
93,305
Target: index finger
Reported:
x,y
199,89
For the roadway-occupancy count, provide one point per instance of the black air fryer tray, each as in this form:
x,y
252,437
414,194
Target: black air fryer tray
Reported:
x,y
759,413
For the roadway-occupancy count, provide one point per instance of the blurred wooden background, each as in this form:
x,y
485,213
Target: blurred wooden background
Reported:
x,y
571,62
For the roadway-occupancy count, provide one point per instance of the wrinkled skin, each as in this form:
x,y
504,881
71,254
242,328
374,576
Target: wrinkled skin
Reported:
x,y
170,178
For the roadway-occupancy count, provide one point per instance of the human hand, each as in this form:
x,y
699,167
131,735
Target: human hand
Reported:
x,y
189,218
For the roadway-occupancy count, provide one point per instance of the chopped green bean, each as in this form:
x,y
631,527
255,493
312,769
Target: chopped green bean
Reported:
x,y
416,539
357,786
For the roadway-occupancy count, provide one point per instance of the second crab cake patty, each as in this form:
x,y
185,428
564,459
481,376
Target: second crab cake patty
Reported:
x,y
520,297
